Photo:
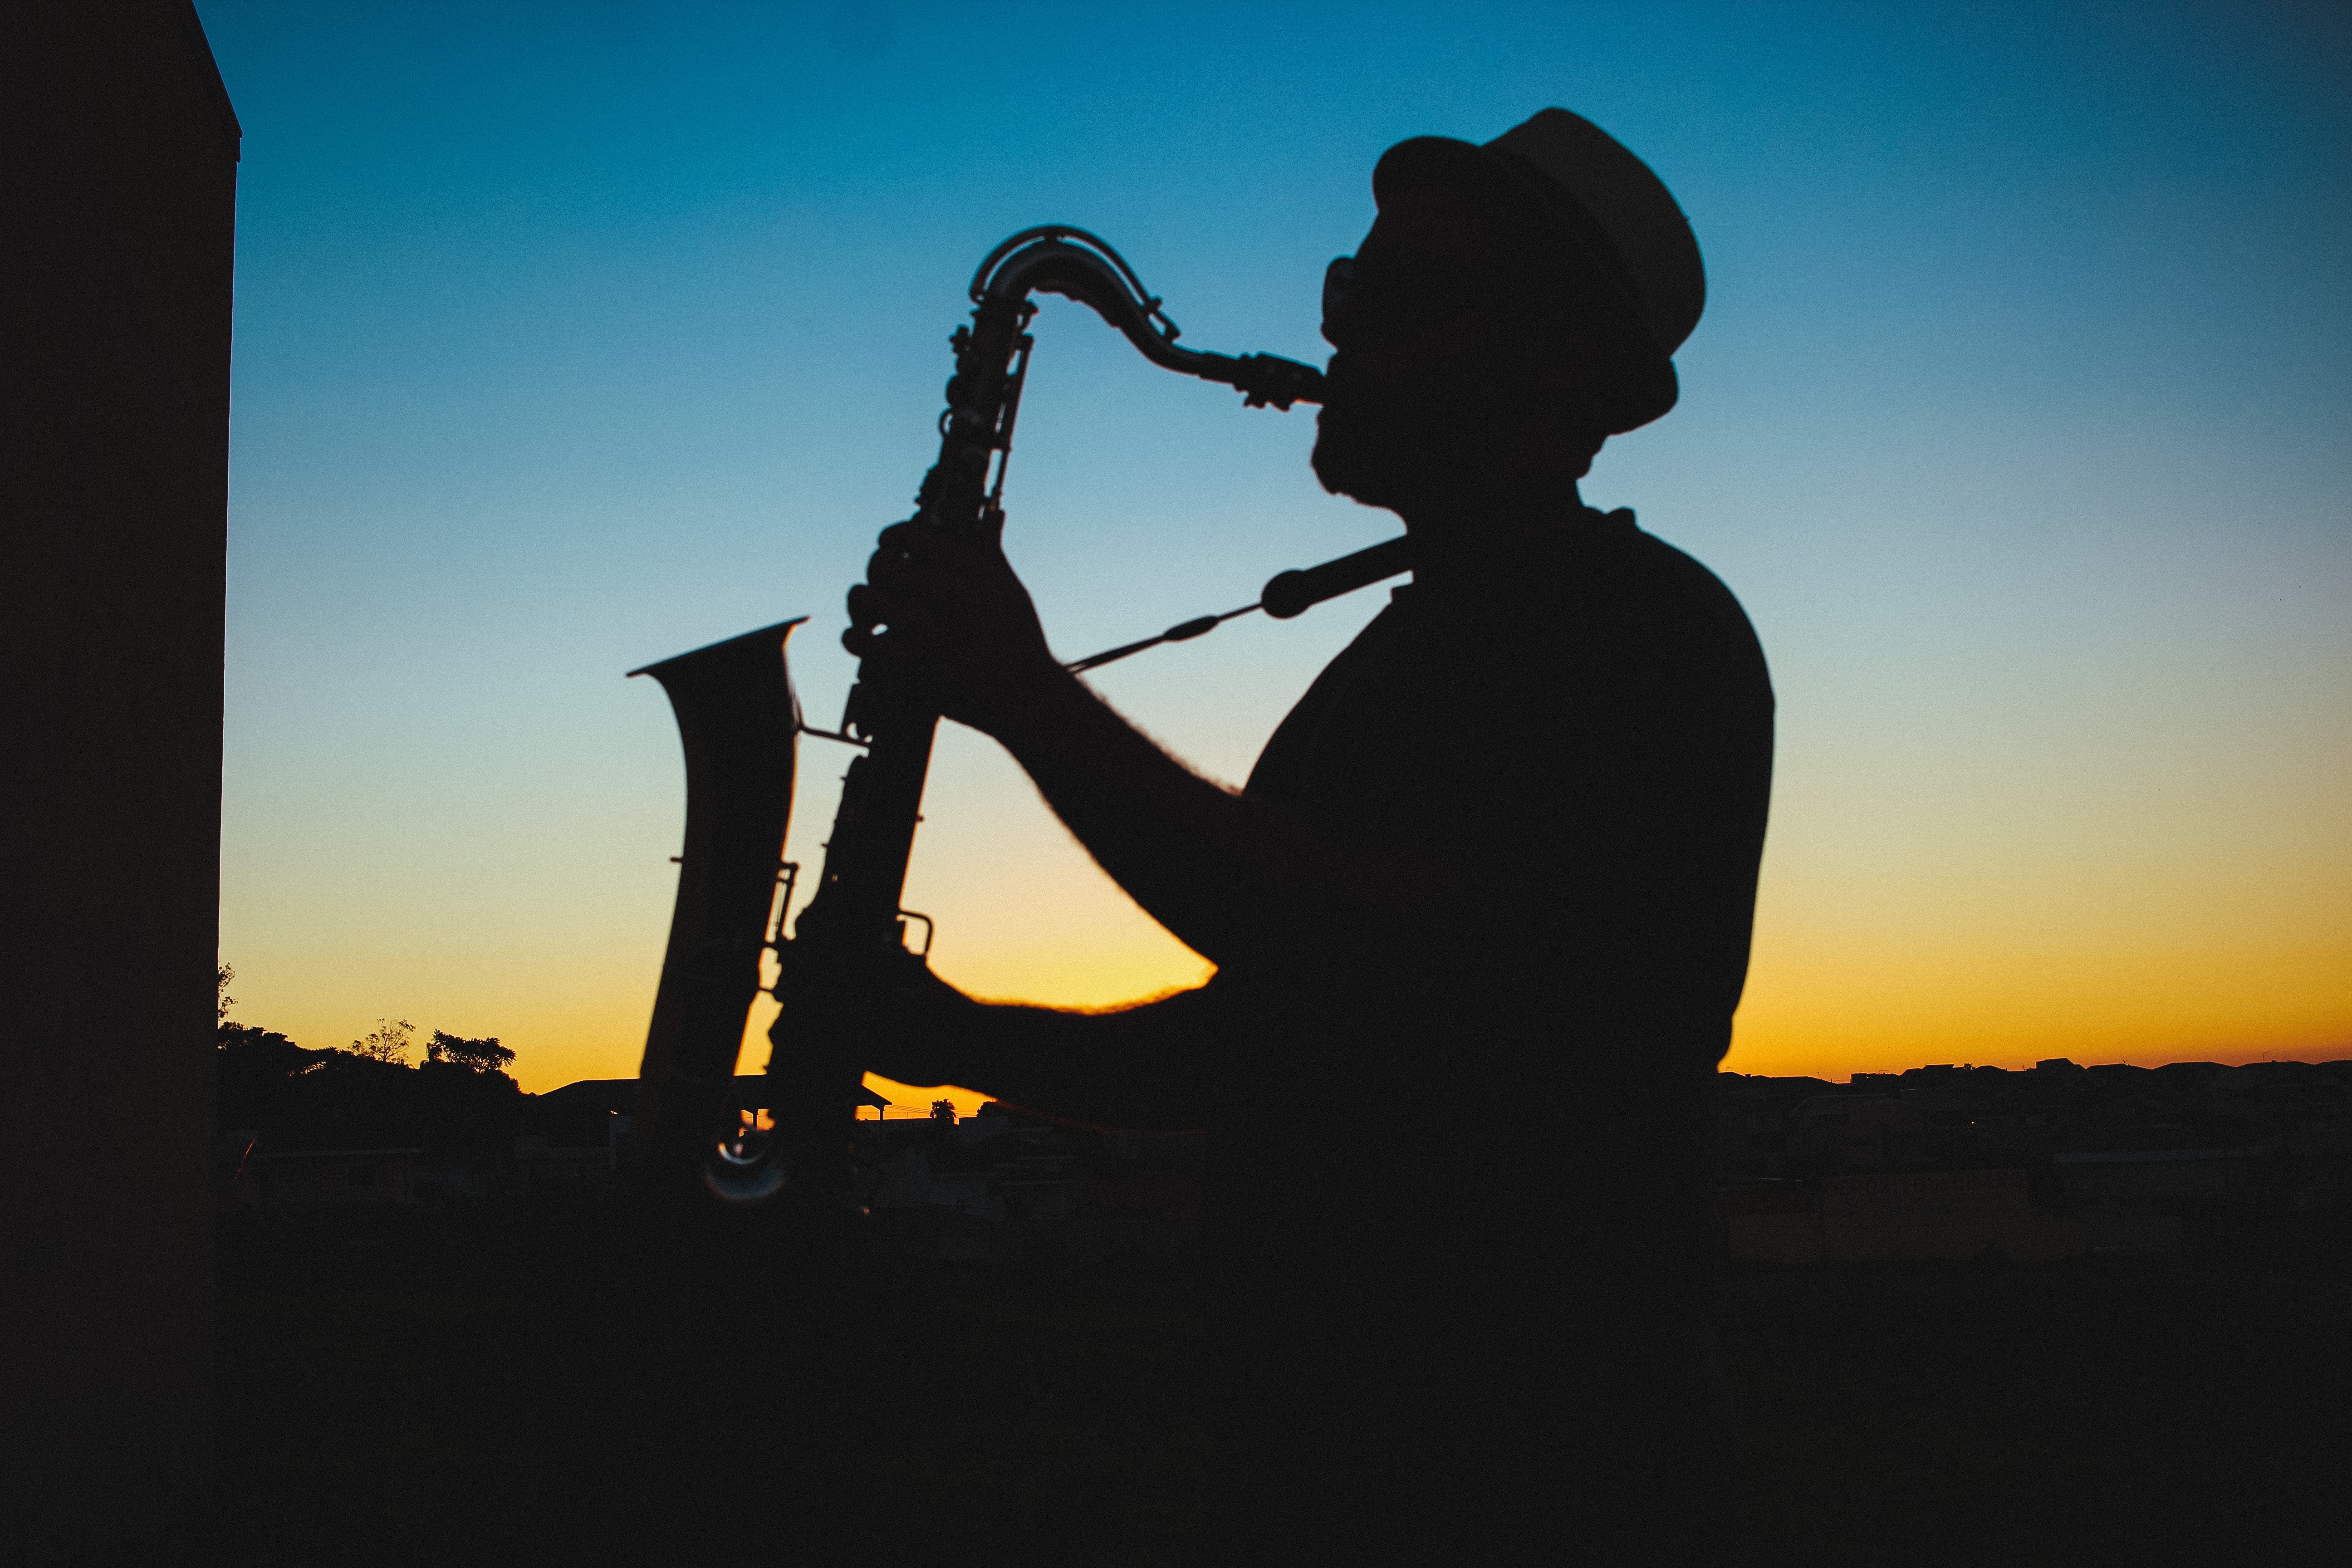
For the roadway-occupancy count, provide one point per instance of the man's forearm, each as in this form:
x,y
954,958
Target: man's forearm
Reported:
x,y
1196,857
1142,1068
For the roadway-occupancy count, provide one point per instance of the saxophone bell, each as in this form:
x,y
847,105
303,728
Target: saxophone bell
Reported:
x,y
737,721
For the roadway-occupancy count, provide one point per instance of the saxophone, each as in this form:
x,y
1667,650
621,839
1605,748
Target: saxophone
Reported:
x,y
693,1131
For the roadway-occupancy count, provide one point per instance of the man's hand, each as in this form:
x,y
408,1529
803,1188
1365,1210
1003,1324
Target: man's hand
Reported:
x,y
889,1015
949,616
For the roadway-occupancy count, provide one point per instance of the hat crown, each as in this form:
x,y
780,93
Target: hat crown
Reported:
x,y
1633,207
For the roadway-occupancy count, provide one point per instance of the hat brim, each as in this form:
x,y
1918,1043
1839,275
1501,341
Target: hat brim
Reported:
x,y
1643,382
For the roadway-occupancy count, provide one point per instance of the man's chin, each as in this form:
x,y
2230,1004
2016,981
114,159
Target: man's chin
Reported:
x,y
1348,465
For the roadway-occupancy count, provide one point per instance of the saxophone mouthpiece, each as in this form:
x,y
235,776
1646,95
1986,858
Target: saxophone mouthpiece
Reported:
x,y
1266,380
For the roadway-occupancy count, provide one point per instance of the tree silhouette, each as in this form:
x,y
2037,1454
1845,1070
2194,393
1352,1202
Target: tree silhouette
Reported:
x,y
482,1055
387,1042
943,1111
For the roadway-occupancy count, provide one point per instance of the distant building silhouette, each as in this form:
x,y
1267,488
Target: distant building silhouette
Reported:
x,y
2115,1160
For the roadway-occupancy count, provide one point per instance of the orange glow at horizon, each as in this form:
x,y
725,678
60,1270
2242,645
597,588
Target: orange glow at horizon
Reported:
x,y
1941,959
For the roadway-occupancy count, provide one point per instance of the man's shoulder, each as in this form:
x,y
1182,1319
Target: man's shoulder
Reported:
x,y
1682,576
1603,570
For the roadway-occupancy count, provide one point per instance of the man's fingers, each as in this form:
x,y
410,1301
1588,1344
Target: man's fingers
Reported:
x,y
938,569
921,542
880,626
928,543
863,642
870,606
922,575
906,535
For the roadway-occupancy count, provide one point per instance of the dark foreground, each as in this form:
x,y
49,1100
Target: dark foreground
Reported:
x,y
545,1386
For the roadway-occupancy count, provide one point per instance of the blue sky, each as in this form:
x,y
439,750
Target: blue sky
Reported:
x,y
572,336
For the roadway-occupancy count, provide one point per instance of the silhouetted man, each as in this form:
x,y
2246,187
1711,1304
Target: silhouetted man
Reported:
x,y
1480,916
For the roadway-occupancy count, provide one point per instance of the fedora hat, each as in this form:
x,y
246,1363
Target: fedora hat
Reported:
x,y
1602,217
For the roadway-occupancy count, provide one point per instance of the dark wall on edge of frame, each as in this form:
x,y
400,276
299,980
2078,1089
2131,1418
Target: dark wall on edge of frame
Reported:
x,y
121,153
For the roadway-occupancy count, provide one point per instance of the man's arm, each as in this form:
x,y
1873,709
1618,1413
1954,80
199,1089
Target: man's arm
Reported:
x,y
1231,878
1142,1068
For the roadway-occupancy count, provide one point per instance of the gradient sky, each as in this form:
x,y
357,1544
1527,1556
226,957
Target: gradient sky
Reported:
x,y
570,337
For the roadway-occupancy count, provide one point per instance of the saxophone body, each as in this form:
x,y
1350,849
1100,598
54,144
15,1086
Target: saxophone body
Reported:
x,y
689,1135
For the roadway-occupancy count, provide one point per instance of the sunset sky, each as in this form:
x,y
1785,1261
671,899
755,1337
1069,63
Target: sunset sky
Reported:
x,y
570,337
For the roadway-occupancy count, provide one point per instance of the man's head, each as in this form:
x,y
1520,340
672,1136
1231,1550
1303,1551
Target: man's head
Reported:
x,y
1513,306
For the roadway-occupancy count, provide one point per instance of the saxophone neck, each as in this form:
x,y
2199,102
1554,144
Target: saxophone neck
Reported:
x,y
1058,259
